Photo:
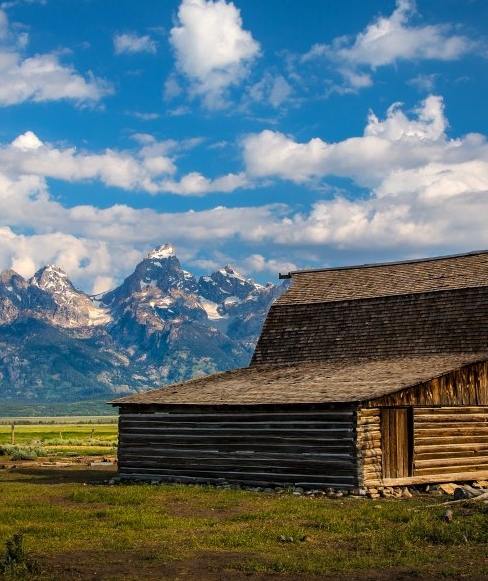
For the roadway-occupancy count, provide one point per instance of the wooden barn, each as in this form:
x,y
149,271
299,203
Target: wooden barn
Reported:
x,y
362,376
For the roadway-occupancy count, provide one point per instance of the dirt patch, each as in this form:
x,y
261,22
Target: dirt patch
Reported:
x,y
83,470
131,566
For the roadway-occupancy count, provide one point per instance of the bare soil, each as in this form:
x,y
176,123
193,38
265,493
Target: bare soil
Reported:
x,y
106,566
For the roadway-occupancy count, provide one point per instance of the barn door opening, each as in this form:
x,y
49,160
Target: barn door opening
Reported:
x,y
397,442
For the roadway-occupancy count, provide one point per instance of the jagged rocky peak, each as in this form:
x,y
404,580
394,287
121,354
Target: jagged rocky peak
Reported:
x,y
164,251
70,307
161,269
51,278
225,283
7,275
11,281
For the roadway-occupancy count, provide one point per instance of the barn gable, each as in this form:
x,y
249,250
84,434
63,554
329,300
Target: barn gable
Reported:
x,y
358,375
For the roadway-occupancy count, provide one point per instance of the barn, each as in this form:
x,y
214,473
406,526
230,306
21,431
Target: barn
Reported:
x,y
362,376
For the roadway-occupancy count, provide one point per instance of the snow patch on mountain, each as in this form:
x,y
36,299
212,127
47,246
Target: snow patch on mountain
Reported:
x,y
164,251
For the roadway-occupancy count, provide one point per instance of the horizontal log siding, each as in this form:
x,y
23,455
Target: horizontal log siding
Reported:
x,y
308,448
450,440
369,445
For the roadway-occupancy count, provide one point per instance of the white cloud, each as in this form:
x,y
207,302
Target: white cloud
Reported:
x,y
147,169
211,47
272,89
395,142
197,185
41,77
28,141
424,187
259,263
132,43
425,193
388,40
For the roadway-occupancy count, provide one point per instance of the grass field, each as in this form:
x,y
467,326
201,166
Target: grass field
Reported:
x,y
74,524
28,441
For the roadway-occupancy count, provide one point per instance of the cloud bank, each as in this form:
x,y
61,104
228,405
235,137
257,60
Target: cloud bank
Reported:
x,y
423,191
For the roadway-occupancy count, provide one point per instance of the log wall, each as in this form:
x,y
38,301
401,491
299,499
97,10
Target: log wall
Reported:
x,y
449,444
369,445
450,441
309,448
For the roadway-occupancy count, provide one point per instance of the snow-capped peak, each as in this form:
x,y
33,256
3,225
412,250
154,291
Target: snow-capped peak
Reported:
x,y
50,276
230,271
162,252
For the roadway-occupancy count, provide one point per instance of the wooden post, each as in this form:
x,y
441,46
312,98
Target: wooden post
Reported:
x,y
92,432
12,437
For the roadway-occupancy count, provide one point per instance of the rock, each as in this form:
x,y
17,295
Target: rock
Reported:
x,y
447,516
480,484
448,488
406,493
460,493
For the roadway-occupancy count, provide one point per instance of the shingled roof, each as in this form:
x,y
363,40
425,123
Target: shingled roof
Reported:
x,y
306,383
388,279
419,307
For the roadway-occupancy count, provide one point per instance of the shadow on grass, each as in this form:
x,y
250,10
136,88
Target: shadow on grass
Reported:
x,y
56,475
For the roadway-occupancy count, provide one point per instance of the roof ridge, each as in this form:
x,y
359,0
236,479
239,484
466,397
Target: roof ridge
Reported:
x,y
380,264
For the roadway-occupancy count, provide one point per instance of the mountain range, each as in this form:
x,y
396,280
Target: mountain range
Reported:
x,y
160,326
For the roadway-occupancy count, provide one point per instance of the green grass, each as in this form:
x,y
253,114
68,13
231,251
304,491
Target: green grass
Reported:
x,y
170,523
32,441
58,433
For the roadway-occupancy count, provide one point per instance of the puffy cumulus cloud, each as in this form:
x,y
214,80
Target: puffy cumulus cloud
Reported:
x,y
28,141
28,155
259,263
98,247
424,188
211,47
132,43
388,40
195,184
81,258
41,77
147,169
396,142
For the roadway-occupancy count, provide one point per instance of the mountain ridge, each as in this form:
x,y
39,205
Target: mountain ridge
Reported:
x,y
161,325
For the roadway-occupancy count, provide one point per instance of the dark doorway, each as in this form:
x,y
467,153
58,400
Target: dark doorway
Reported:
x,y
397,442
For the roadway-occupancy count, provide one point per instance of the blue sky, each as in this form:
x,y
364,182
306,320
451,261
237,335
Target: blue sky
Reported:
x,y
272,135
